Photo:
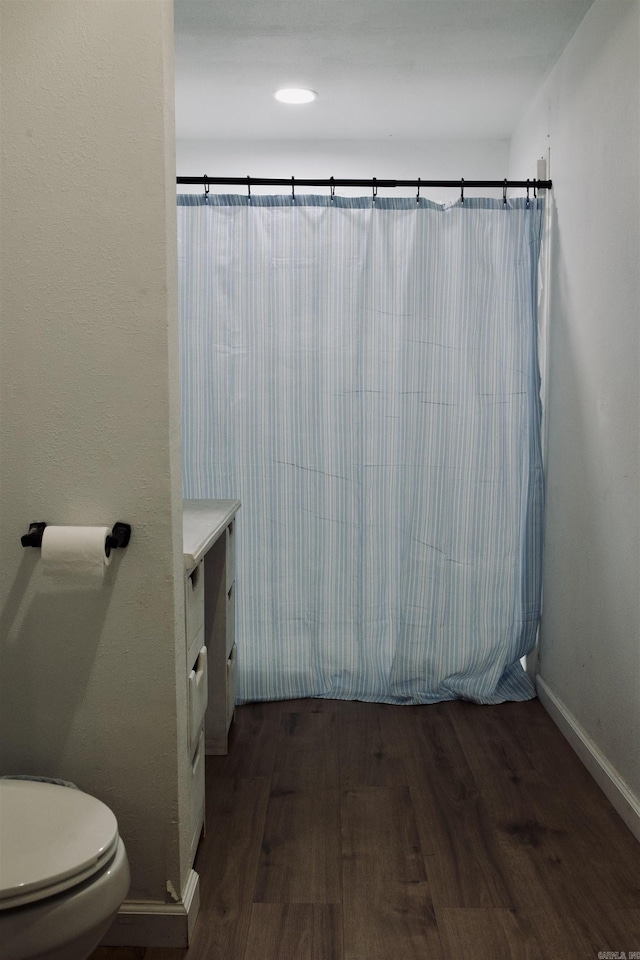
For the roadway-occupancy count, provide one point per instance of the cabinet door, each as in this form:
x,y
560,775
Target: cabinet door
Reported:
x,y
230,625
196,811
232,683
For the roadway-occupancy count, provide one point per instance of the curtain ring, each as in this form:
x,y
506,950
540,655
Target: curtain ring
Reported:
x,y
418,193
333,189
293,190
374,187
535,189
504,192
249,189
205,180
462,190
527,191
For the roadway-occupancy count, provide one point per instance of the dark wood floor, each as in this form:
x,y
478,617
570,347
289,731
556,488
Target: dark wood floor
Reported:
x,y
354,831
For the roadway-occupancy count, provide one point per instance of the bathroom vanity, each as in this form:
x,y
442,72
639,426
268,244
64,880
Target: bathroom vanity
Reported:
x,y
209,575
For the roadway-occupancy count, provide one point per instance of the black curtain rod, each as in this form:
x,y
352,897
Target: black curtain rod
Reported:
x,y
371,184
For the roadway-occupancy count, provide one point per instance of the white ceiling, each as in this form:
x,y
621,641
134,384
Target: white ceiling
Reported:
x,y
408,69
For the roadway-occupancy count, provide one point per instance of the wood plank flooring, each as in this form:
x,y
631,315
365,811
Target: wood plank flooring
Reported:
x,y
355,831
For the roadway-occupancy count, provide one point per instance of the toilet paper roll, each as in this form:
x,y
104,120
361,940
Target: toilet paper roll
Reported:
x,y
78,550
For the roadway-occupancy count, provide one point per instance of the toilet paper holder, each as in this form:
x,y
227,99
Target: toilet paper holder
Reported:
x,y
119,536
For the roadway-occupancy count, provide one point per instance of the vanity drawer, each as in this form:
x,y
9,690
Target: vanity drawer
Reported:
x,y
194,601
198,694
196,808
230,561
194,646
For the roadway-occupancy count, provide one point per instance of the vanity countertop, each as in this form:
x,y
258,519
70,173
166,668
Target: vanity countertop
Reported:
x,y
202,523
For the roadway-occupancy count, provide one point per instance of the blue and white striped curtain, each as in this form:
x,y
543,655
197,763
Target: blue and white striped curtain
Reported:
x,y
363,375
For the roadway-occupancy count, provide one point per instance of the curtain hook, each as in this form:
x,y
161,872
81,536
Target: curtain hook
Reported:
x,y
293,190
418,193
535,189
249,188
527,191
462,190
504,192
333,189
205,180
374,187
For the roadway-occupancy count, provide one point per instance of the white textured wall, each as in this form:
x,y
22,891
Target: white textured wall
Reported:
x,y
358,159
588,114
88,431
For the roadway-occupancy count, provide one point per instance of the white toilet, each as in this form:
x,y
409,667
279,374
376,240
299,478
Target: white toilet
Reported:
x,y
63,871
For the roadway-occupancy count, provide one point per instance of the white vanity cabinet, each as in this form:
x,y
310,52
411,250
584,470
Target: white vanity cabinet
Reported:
x,y
209,583
209,544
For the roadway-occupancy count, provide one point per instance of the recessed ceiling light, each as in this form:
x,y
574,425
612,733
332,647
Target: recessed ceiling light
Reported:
x,y
295,95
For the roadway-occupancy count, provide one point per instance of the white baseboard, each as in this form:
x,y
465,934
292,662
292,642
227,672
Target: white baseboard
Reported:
x,y
608,779
149,924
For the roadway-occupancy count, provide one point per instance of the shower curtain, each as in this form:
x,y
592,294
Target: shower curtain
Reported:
x,y
362,374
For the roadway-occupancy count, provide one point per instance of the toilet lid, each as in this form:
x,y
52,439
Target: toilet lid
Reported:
x,y
51,838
